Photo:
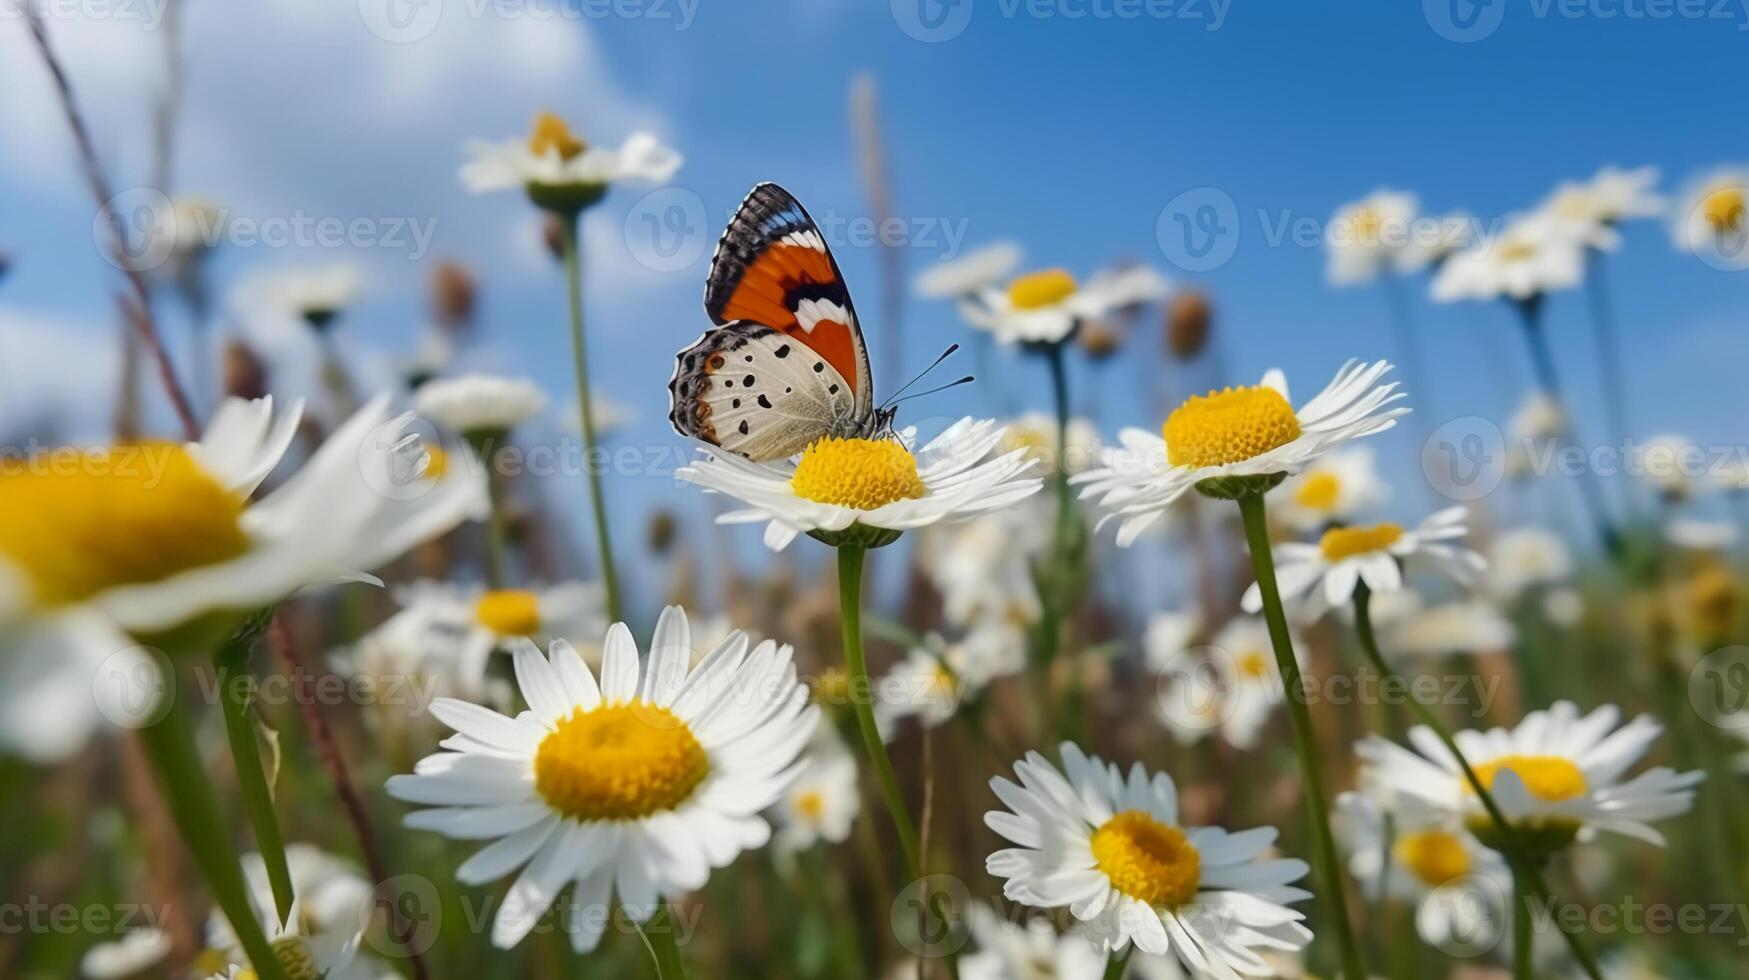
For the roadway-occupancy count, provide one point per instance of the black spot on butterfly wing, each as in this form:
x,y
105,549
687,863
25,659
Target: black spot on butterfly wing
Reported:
x,y
688,411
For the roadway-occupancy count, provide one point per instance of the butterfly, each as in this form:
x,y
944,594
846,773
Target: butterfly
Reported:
x,y
786,363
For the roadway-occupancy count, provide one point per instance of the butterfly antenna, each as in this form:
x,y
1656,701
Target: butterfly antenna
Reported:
x,y
968,379
893,399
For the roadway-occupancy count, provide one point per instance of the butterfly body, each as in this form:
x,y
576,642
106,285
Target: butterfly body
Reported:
x,y
785,364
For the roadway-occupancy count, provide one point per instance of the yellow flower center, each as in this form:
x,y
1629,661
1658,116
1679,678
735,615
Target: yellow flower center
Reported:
x,y
1574,204
1725,209
436,462
551,133
1037,290
1433,856
1319,491
832,686
294,958
619,762
1347,542
941,681
210,961
811,804
1549,778
1253,665
1517,250
861,474
76,523
1147,860
1229,426
1367,226
509,612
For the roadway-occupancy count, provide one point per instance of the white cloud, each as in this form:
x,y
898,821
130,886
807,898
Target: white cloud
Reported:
x,y
295,106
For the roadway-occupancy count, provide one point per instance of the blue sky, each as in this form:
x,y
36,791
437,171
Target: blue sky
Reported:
x,y
1067,134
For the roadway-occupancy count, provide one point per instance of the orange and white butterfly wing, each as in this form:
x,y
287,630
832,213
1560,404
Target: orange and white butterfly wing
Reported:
x,y
787,323
757,392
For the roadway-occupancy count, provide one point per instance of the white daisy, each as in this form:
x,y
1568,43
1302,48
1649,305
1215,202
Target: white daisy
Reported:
x,y
982,568
1534,431
300,949
968,274
447,625
552,159
1168,636
479,403
1558,776
1463,626
1335,488
1046,307
1031,949
1592,208
1241,432
1696,534
633,786
1232,685
1370,237
1711,217
1322,576
1672,464
1112,851
877,486
1436,239
1535,254
162,542
1036,432
1526,557
823,801
135,954
316,295
1458,887
190,228
935,679
333,899
1564,607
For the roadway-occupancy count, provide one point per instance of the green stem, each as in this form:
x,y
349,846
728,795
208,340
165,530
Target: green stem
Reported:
x,y
572,224
1117,963
1523,938
170,747
1409,347
1615,383
1061,579
1542,361
1256,520
664,944
236,690
486,447
850,613
1525,873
